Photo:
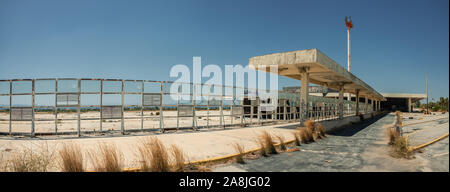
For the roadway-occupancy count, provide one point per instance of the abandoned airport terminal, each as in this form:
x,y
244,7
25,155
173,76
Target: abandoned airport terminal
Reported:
x,y
66,106
223,86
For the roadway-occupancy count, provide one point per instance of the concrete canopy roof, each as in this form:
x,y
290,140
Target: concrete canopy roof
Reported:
x,y
414,97
322,70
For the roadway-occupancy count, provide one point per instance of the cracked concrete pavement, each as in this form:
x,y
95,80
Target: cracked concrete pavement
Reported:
x,y
362,147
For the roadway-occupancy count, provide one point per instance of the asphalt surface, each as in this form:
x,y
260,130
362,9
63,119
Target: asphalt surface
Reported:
x,y
360,147
437,156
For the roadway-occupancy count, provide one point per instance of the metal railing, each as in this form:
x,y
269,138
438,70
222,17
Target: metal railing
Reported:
x,y
84,106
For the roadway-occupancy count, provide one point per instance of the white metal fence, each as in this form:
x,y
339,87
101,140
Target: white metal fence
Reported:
x,y
84,106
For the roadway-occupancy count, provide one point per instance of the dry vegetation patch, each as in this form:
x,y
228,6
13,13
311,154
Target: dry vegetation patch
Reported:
x,y
268,142
310,132
153,155
178,158
107,158
399,145
281,141
37,158
240,149
297,138
71,158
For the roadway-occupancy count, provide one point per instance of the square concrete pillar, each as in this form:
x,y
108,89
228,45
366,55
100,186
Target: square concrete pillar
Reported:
x,y
341,102
409,105
304,93
357,102
366,104
374,105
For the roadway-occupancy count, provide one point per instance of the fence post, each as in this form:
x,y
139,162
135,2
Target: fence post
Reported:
x,y
258,106
142,106
32,108
101,105
178,106
56,106
161,119
221,106
194,98
207,112
10,104
79,108
122,125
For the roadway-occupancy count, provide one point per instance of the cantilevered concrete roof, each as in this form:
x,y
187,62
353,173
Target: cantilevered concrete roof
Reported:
x,y
322,70
414,97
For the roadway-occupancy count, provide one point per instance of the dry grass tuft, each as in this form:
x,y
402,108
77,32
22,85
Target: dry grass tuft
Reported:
x,y
3,163
30,159
71,158
282,144
177,158
107,158
400,147
392,135
263,150
297,137
307,134
240,149
311,130
268,142
153,155
321,131
303,135
398,113
309,124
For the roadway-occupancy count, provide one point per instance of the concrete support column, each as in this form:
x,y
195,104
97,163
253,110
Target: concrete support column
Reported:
x,y
304,93
375,105
366,105
341,102
357,102
409,105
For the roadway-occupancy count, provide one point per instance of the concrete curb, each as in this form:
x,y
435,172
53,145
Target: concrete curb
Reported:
x,y
413,148
414,132
215,159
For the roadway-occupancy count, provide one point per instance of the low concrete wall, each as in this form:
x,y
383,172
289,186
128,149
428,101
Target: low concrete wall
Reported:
x,y
334,125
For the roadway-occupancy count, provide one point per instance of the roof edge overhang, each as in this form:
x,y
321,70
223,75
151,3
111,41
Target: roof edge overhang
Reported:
x,y
322,71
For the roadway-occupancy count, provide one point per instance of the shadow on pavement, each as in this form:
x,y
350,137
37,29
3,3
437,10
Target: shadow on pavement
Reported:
x,y
351,129
346,130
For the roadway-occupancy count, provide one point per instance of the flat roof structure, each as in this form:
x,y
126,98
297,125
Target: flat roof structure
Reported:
x,y
320,68
394,101
412,96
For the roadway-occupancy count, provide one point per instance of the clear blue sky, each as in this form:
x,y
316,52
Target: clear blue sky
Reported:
x,y
393,43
